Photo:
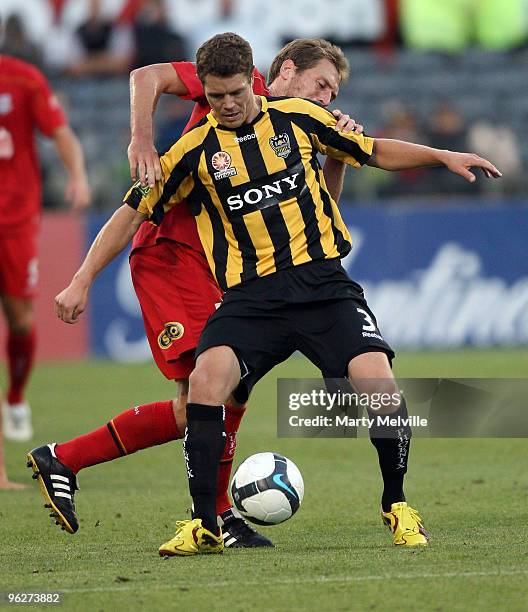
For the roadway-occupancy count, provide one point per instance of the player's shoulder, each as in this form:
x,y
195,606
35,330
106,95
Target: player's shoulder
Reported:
x,y
20,67
191,142
196,133
294,105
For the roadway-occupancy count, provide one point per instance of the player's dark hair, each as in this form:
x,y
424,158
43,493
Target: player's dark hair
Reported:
x,y
305,53
224,55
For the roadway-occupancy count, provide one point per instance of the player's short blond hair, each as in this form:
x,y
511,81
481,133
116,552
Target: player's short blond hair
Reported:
x,y
305,53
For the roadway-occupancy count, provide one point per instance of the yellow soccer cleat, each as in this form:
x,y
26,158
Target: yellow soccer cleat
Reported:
x,y
406,526
192,539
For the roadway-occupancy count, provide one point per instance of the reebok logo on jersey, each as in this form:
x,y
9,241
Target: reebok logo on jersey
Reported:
x,y
244,138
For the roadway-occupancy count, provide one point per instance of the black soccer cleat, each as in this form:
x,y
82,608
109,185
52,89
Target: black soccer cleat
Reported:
x,y
238,534
57,484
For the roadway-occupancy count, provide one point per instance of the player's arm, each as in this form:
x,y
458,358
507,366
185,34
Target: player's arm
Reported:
x,y
399,155
113,237
146,86
69,149
333,169
50,119
140,204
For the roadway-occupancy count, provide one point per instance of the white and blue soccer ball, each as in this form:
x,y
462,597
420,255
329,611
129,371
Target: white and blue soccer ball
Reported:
x,y
267,488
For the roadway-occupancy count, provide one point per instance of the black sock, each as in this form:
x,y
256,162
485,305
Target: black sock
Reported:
x,y
392,443
202,447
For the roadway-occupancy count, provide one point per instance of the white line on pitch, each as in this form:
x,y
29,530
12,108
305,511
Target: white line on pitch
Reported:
x,y
318,579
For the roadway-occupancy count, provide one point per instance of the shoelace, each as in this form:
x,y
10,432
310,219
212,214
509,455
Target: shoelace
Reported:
x,y
415,515
180,525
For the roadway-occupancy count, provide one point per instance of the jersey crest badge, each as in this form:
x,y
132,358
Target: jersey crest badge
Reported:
x,y
221,162
281,145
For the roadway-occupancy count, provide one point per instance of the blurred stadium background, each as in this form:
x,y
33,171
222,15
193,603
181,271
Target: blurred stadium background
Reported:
x,y
443,261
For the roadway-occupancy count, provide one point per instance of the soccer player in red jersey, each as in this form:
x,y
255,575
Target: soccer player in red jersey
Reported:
x,y
27,104
175,312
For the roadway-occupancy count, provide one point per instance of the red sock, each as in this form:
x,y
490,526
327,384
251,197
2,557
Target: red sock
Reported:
x,y
233,416
140,427
20,354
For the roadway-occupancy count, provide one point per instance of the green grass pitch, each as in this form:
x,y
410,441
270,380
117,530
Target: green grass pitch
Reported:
x,y
335,554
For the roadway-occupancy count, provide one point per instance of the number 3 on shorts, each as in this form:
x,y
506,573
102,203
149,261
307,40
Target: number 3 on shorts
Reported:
x,y
370,325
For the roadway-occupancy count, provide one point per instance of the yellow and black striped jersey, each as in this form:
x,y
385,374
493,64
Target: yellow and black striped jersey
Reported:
x,y
258,191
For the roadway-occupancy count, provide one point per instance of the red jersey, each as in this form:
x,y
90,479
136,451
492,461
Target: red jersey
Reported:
x,y
178,224
26,103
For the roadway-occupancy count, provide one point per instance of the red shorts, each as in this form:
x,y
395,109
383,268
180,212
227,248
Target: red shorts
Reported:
x,y
177,294
19,264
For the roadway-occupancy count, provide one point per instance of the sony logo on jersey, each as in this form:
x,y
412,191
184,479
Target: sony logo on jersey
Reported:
x,y
256,194
246,137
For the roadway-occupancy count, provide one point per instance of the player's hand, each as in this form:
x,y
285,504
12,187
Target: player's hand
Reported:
x,y
345,123
71,302
461,163
144,161
78,193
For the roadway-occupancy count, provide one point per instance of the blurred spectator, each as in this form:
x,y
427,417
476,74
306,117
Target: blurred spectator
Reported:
x,y
401,123
249,20
155,41
447,130
348,23
500,145
17,43
101,46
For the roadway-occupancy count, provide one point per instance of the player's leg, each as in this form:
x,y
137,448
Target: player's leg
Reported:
x,y
370,373
261,340
235,530
18,283
5,483
216,375
55,466
359,352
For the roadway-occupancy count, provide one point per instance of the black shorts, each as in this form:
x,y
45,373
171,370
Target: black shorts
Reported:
x,y
264,327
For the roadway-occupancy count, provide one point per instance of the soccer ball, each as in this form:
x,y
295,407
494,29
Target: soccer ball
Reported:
x,y
267,488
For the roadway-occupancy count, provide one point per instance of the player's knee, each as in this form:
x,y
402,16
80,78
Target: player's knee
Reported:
x,y
383,394
21,326
19,316
198,381
207,387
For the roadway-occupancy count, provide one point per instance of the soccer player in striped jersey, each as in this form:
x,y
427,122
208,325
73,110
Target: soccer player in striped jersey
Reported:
x,y
175,312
